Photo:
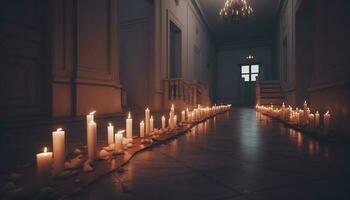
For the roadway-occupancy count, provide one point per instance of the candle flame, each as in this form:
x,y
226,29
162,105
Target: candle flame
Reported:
x,y
92,113
45,149
110,124
129,116
121,132
317,112
142,122
327,113
59,129
163,117
147,109
151,117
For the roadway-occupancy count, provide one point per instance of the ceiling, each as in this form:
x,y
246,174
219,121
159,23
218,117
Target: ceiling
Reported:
x,y
259,27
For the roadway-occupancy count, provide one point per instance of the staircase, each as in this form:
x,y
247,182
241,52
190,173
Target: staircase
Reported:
x,y
269,92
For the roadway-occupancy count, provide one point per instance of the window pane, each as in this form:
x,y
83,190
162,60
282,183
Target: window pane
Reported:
x,y
253,77
246,77
255,69
245,69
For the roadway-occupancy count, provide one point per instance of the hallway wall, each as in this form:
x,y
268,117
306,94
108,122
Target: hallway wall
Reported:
x,y
327,65
85,58
197,48
229,57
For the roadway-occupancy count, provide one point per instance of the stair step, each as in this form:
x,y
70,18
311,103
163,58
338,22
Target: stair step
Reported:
x,y
271,94
271,90
271,101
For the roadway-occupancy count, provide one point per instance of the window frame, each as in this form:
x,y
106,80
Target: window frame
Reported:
x,y
250,73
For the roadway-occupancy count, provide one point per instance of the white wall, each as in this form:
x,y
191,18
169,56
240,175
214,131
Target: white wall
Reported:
x,y
228,72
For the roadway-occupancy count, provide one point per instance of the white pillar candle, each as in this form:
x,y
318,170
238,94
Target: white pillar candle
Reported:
x,y
44,165
129,127
317,119
110,133
142,129
183,116
175,120
151,124
58,143
326,120
147,122
118,139
163,122
91,141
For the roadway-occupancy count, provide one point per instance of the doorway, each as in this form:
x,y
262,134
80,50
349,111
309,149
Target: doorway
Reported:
x,y
175,51
248,74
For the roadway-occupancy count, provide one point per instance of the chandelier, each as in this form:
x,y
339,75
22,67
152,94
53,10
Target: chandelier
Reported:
x,y
235,10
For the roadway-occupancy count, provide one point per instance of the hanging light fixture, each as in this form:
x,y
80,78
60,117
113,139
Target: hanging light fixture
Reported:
x,y
235,10
249,57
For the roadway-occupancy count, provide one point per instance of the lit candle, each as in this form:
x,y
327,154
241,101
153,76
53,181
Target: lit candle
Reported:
x,y
311,120
317,119
44,165
163,122
118,139
58,150
91,141
110,134
129,128
142,129
175,120
147,118
326,120
183,116
89,118
151,124
171,117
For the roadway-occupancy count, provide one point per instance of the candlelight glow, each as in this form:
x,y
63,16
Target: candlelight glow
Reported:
x,y
110,124
121,132
327,113
92,113
129,116
59,129
45,149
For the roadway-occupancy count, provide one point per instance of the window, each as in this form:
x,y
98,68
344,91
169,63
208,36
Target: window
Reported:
x,y
250,72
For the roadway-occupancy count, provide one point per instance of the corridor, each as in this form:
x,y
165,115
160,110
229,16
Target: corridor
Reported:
x,y
237,155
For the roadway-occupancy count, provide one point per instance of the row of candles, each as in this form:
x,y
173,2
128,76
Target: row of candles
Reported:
x,y
55,160
300,117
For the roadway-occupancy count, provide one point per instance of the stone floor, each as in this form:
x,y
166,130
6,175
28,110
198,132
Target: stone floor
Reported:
x,y
238,155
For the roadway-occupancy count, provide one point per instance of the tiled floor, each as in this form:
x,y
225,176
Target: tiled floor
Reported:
x,y
239,155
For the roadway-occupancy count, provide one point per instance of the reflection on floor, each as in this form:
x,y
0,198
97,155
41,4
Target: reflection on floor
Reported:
x,y
239,155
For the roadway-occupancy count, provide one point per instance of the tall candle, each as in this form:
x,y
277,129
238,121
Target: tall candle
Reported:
x,y
58,142
91,141
183,116
326,120
163,122
311,120
129,127
142,129
317,119
151,124
44,165
110,134
171,117
175,120
118,139
147,118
